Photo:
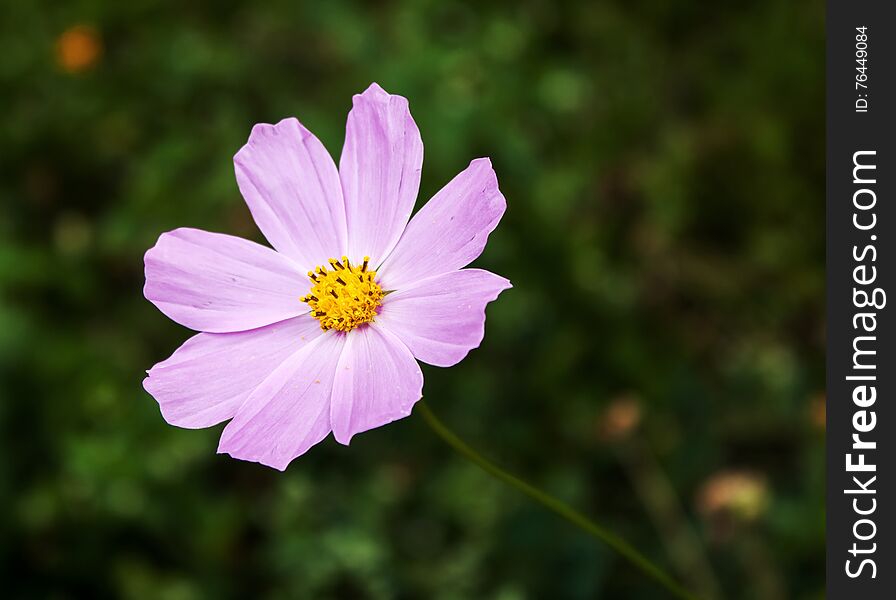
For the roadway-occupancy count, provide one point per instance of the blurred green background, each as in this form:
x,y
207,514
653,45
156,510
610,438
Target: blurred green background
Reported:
x,y
658,364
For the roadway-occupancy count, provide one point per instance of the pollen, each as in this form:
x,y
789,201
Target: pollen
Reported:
x,y
344,295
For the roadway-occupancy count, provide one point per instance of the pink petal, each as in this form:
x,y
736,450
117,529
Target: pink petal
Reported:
x,y
442,318
289,412
220,283
292,188
380,172
209,377
377,382
450,231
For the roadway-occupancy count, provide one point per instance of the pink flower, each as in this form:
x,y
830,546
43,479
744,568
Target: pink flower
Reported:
x,y
322,334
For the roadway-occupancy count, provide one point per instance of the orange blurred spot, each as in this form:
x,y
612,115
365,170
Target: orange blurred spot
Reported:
x,y
621,418
733,493
78,48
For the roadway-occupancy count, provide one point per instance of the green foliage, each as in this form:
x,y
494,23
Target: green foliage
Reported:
x,y
663,165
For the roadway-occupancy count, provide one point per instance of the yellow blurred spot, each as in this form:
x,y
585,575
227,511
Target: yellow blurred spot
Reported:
x,y
78,48
620,419
733,493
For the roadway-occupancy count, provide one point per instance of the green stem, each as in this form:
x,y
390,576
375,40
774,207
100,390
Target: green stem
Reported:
x,y
556,505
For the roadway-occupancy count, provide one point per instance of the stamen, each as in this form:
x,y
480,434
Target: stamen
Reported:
x,y
340,302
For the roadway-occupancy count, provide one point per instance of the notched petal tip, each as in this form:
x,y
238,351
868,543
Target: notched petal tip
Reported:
x,y
150,257
342,439
262,131
150,386
276,465
340,436
505,283
177,233
373,91
374,94
147,256
267,459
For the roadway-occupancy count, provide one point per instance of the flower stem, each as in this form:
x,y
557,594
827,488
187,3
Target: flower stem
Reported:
x,y
555,505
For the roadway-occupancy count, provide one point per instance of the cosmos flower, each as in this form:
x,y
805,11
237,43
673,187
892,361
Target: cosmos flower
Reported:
x,y
323,332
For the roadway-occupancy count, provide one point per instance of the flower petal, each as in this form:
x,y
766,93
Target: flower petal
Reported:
x,y
291,185
380,172
450,230
442,318
209,377
377,382
290,411
220,283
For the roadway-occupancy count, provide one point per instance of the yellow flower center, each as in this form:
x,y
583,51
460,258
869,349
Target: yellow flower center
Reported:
x,y
343,296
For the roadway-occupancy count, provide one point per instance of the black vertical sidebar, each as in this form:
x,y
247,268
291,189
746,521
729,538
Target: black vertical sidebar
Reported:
x,y
861,270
